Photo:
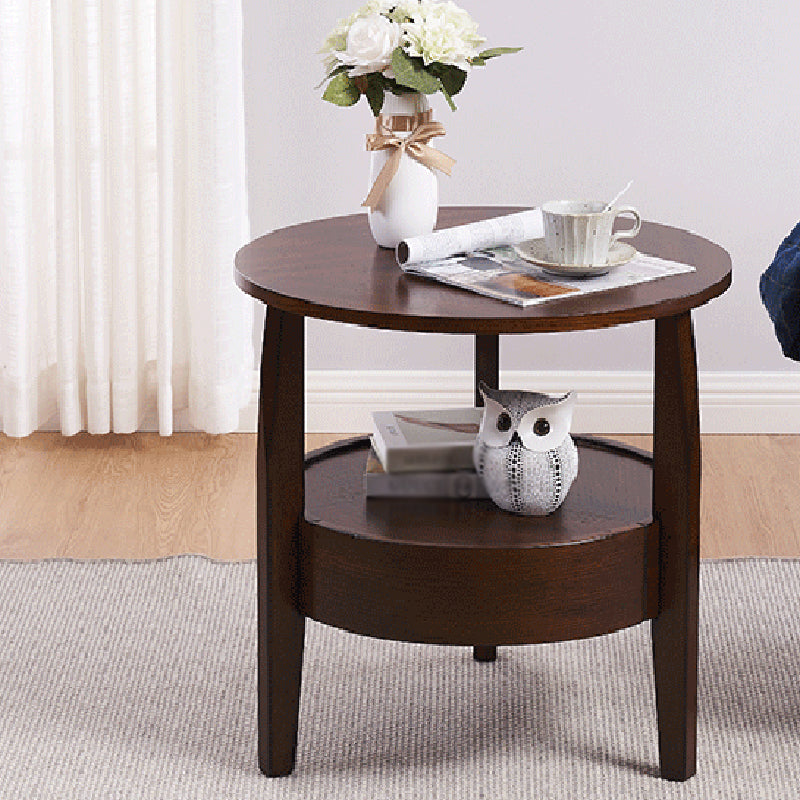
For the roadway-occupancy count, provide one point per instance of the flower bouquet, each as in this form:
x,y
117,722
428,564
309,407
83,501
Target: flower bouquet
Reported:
x,y
402,46
395,53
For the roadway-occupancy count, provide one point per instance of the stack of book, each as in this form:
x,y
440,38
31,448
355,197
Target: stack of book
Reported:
x,y
424,454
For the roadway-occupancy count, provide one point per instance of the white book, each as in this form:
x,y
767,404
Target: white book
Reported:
x,y
460,484
434,440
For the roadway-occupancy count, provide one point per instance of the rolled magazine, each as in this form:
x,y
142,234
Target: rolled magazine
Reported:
x,y
506,230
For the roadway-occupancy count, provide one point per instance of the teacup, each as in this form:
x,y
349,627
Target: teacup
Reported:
x,y
581,231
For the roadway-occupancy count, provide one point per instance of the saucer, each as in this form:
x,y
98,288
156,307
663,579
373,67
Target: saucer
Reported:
x,y
535,251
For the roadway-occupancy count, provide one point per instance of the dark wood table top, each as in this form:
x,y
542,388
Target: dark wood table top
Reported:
x,y
332,269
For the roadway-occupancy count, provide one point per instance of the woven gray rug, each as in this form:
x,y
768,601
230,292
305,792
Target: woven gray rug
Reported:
x,y
137,680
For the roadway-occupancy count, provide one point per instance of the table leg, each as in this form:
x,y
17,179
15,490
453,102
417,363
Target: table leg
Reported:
x,y
487,368
280,505
487,363
676,505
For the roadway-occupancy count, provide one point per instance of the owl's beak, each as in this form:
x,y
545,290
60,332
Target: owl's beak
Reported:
x,y
515,439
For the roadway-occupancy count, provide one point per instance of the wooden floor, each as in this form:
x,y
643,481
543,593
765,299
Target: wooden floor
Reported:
x,y
143,496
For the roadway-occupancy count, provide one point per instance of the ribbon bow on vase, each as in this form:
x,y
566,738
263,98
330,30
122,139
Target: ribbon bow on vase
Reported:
x,y
422,130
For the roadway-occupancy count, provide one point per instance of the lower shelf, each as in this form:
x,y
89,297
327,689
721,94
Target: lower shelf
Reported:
x,y
465,572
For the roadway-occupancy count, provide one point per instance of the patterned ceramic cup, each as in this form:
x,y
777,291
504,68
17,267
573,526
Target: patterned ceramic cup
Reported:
x,y
580,231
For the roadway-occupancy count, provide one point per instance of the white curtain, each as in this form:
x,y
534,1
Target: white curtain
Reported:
x,y
122,204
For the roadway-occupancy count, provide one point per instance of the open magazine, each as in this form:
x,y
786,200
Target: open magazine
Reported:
x,y
480,257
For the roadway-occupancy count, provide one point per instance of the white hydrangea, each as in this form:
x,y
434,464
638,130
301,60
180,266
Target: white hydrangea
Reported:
x,y
441,32
404,9
376,7
335,40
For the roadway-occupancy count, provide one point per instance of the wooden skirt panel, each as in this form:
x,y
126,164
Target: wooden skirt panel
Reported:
x,y
469,596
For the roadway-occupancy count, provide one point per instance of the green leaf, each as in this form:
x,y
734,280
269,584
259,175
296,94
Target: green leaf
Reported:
x,y
375,92
449,99
342,91
394,87
337,71
493,52
332,74
411,72
451,77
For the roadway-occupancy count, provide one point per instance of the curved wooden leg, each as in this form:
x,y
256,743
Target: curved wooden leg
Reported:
x,y
676,504
280,505
487,368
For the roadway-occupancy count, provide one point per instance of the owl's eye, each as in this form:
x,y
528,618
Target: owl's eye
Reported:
x,y
541,427
504,421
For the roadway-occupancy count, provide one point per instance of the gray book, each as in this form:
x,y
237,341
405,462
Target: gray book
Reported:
x,y
462,484
431,440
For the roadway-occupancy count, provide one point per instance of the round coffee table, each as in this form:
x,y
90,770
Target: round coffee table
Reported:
x,y
623,548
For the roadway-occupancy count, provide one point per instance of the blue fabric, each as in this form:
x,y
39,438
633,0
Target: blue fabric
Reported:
x,y
780,293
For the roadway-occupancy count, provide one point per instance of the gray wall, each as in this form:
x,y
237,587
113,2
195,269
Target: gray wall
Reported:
x,y
699,102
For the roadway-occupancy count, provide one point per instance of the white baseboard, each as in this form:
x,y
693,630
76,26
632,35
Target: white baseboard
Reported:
x,y
339,401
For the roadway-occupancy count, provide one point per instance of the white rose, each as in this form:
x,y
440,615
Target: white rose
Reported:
x,y
442,32
336,40
370,43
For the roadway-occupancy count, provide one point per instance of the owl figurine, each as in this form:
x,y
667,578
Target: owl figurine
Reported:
x,y
524,452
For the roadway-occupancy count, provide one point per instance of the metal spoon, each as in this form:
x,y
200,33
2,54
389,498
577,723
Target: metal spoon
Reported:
x,y
610,203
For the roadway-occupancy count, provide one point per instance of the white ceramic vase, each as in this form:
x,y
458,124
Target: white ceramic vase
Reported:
x,y
410,204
